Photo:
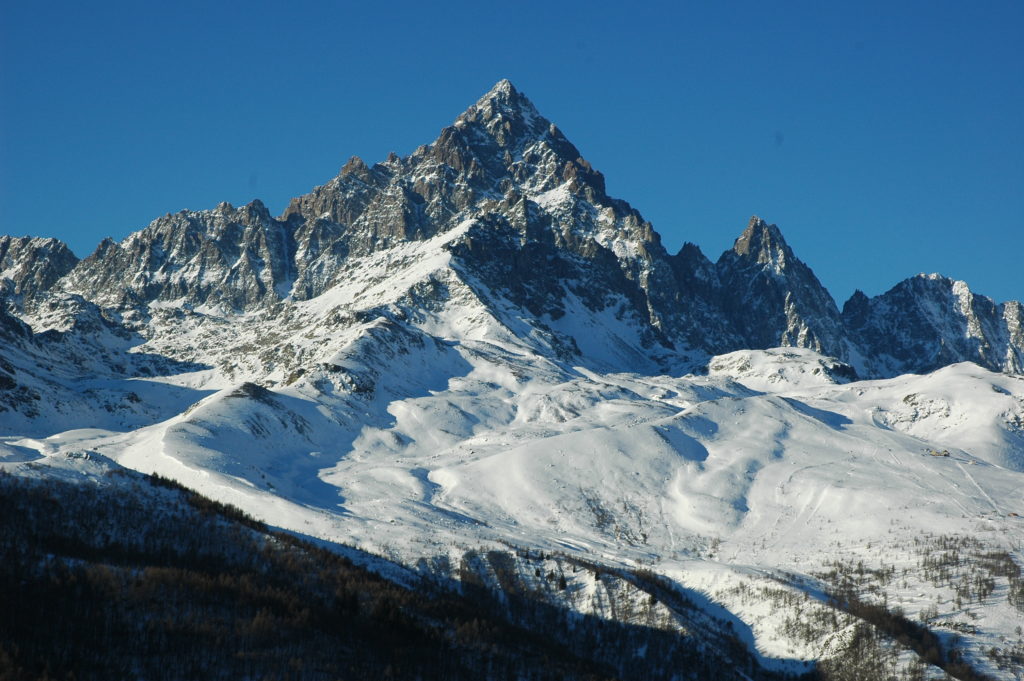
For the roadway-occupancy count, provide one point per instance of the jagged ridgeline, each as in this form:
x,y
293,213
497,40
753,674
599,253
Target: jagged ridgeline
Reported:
x,y
508,212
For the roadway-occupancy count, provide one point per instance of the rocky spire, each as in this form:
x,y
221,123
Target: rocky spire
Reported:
x,y
772,298
507,115
763,243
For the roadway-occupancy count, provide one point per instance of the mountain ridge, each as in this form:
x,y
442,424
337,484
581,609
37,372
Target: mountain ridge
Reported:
x,y
503,164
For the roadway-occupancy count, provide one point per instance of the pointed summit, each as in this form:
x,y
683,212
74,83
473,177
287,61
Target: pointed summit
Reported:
x,y
506,114
505,95
501,142
762,242
793,308
857,309
502,87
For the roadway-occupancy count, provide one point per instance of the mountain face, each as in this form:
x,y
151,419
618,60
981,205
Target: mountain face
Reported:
x,y
526,225
762,273
929,321
474,362
234,258
30,266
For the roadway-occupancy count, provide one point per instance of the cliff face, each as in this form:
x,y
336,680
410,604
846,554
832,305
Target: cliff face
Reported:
x,y
929,321
238,259
31,265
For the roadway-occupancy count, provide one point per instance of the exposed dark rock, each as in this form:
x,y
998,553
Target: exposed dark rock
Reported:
x,y
929,321
30,266
772,298
237,258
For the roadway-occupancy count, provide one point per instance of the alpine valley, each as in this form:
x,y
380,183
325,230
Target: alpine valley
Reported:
x,y
469,377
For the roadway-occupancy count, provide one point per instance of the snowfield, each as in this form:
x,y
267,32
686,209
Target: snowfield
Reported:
x,y
763,474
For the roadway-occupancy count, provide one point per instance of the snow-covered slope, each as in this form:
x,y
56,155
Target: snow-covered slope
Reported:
x,y
720,486
785,368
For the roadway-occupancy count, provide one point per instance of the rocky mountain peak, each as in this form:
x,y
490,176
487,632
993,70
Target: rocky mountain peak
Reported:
x,y
31,265
504,103
106,245
503,87
928,321
761,273
498,149
237,258
531,218
508,136
691,253
763,243
354,166
255,210
856,308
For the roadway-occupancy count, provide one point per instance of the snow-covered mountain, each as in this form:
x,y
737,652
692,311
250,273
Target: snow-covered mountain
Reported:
x,y
929,321
29,266
523,218
475,346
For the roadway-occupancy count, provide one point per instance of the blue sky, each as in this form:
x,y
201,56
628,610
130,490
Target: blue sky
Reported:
x,y
884,139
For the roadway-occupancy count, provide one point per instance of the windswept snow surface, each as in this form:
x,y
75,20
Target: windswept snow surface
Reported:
x,y
714,481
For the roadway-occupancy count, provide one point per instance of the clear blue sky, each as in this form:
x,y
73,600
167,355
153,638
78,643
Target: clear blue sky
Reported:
x,y
883,138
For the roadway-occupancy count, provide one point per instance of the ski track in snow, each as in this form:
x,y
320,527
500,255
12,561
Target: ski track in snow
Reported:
x,y
981,490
